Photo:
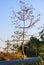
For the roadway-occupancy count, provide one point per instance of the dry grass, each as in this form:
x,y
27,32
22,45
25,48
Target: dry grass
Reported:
x,y
11,56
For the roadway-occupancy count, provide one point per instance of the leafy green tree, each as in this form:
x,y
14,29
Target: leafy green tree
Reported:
x,y
33,45
36,43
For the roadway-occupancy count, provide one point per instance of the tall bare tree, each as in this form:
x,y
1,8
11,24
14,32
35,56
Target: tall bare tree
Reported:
x,y
24,19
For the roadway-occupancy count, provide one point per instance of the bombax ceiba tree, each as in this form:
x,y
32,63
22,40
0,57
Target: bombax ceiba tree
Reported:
x,y
23,19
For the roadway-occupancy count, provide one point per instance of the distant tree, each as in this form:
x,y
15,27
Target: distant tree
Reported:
x,y
13,48
21,18
8,44
16,39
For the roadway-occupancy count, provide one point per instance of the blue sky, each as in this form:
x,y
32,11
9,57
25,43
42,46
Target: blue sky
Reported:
x,y
6,7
